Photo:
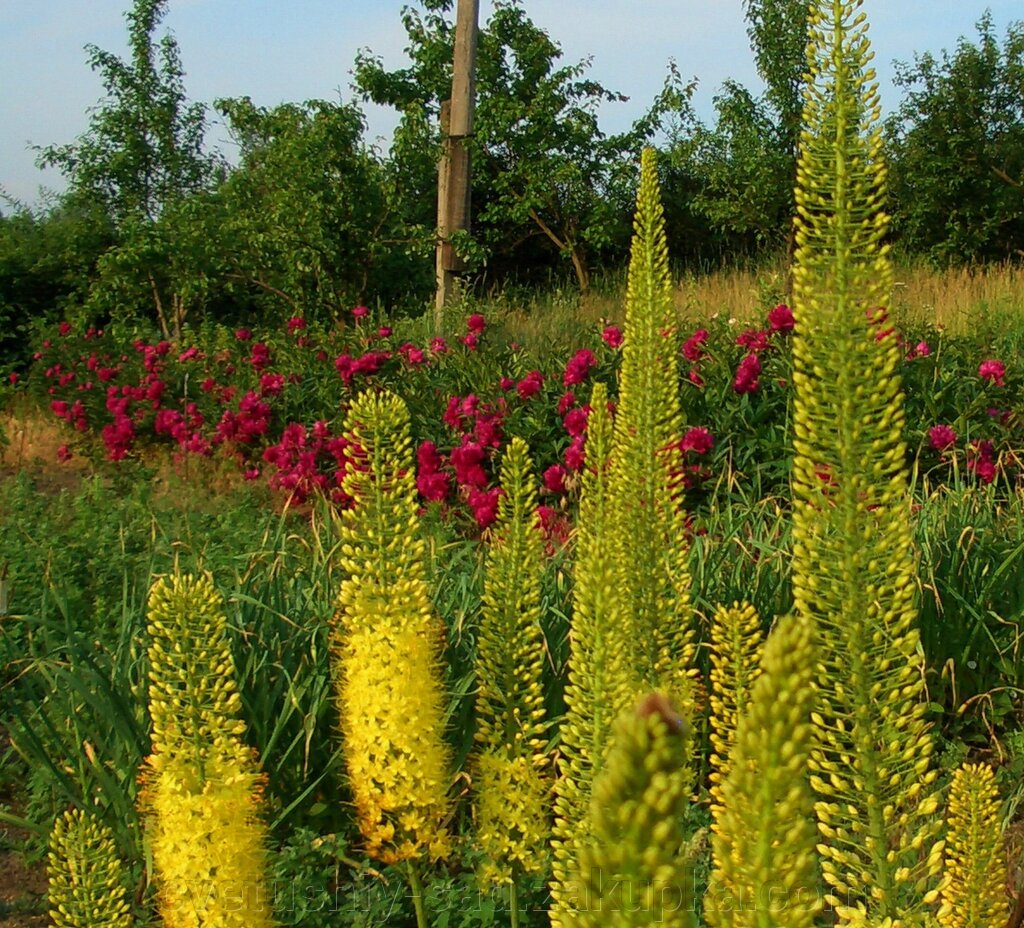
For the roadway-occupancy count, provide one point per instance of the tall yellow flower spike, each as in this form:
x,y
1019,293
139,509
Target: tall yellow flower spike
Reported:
x,y
735,645
632,619
86,878
512,783
973,889
600,674
853,560
201,785
766,873
633,871
387,646
646,478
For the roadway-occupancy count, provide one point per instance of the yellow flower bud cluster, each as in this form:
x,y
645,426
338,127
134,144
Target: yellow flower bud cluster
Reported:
x,y
973,891
511,782
735,644
766,872
387,646
633,871
201,785
86,877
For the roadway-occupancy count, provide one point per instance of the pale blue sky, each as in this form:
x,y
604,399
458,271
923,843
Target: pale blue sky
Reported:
x,y
291,50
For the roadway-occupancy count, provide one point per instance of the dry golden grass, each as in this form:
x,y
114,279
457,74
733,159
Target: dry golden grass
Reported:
x,y
553,321
34,437
954,299
742,295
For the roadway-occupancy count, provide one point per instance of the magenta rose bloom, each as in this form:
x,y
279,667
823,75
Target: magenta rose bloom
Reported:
x,y
691,349
747,373
554,479
993,371
780,319
941,437
697,440
612,336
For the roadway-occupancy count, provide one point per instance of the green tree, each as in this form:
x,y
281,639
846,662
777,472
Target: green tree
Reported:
x,y
144,144
48,258
778,35
312,219
741,171
140,158
542,168
957,149
173,264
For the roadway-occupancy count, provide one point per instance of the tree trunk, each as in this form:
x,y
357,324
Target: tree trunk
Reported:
x,y
453,206
160,314
576,253
579,265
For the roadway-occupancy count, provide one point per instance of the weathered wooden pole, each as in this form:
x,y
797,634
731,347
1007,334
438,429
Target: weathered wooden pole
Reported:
x,y
453,171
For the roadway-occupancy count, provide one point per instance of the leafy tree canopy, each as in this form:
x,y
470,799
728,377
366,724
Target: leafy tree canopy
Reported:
x,y
144,144
312,218
957,150
47,260
741,170
542,166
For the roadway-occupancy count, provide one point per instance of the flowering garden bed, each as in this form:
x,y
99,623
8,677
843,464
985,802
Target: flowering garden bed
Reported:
x,y
270,403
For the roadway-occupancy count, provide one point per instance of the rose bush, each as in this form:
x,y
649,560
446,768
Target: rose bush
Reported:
x,y
272,402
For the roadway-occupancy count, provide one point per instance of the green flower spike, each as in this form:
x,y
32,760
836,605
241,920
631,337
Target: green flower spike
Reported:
x,y
853,560
766,873
634,872
646,479
600,679
86,877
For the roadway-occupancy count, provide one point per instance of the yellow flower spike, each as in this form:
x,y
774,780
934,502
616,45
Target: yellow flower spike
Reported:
x,y
973,890
512,786
209,844
201,786
853,561
632,620
387,646
646,477
512,824
87,880
765,872
633,871
735,644
600,677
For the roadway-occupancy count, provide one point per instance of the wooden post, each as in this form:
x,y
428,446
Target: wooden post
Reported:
x,y
444,248
453,208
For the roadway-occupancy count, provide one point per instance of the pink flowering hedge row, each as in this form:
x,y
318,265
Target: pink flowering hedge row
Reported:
x,y
271,404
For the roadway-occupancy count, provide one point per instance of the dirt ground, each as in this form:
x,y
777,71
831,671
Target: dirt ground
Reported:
x,y
22,883
32,446
22,889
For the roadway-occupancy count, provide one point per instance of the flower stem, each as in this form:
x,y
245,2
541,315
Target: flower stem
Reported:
x,y
513,903
417,895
